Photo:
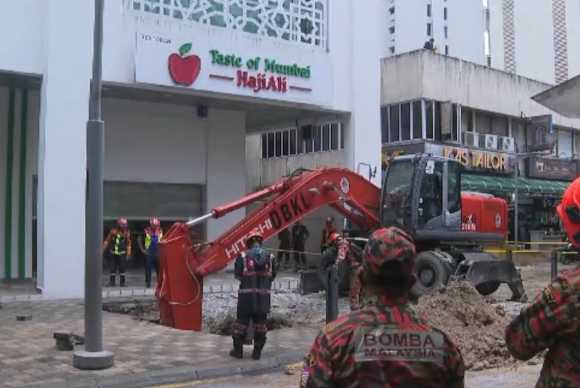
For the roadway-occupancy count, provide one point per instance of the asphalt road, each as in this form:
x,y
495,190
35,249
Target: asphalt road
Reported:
x,y
523,377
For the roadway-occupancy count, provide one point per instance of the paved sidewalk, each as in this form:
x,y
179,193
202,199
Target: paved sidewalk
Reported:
x,y
144,353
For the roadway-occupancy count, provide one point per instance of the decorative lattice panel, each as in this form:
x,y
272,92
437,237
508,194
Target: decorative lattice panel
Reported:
x,y
560,40
303,21
509,36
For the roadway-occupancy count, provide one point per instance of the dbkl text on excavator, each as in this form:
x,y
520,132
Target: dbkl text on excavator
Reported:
x,y
420,194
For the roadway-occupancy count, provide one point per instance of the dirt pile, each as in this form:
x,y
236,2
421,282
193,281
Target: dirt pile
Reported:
x,y
474,325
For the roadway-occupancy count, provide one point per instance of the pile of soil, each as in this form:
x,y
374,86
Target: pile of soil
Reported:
x,y
474,325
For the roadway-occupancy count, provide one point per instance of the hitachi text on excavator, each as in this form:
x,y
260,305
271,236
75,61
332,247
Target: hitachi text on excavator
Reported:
x,y
420,194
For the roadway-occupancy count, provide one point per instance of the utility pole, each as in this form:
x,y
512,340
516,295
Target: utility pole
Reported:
x,y
94,357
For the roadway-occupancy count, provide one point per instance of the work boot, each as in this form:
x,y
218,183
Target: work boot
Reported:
x,y
122,281
257,353
111,281
238,350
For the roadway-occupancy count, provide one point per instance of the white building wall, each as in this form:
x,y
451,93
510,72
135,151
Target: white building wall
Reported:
x,y
465,25
22,26
152,142
426,75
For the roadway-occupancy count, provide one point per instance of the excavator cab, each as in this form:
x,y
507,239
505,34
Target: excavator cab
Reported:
x,y
422,195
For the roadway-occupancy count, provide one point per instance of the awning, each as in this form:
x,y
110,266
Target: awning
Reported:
x,y
505,185
563,98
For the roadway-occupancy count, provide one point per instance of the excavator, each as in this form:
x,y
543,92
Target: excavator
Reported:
x,y
420,194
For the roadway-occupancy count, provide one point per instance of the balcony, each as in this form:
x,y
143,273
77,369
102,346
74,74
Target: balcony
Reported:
x,y
301,21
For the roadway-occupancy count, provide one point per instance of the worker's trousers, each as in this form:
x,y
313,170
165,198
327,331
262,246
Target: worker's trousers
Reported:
x,y
151,262
299,255
283,251
118,265
260,328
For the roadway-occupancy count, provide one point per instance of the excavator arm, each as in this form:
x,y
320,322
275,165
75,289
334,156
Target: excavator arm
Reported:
x,y
183,266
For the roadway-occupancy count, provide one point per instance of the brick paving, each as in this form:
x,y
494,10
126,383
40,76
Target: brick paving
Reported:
x,y
28,356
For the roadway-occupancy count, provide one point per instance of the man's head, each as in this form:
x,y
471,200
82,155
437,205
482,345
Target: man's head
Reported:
x,y
254,238
569,212
122,224
388,261
329,221
334,238
154,223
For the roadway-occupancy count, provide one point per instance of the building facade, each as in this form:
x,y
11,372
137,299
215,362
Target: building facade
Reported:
x,y
184,84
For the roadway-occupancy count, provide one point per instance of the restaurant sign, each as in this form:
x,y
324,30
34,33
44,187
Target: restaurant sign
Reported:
x,y
552,169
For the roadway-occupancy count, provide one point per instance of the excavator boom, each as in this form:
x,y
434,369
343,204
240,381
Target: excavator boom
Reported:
x,y
183,266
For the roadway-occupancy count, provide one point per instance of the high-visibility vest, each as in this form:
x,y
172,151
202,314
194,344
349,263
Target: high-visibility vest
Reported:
x,y
152,236
119,244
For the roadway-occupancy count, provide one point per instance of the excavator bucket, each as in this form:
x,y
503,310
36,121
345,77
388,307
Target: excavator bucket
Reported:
x,y
179,291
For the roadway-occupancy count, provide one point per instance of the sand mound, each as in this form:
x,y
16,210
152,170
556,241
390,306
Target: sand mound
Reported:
x,y
474,325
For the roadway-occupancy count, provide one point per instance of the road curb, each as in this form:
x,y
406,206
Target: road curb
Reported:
x,y
182,374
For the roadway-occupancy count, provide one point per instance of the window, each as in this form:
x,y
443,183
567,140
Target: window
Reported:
x,y
385,124
392,30
429,117
264,146
429,10
453,188
428,29
446,50
317,139
445,32
392,50
445,13
293,142
285,143
406,121
394,123
437,118
417,120
326,138
392,10
334,139
454,122
271,144
278,144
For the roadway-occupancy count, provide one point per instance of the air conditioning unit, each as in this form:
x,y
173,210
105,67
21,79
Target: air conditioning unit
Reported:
x,y
507,144
490,142
471,139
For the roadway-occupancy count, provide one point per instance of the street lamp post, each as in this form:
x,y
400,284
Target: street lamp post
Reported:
x,y
93,357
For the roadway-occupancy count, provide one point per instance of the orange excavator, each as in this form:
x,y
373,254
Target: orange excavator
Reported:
x,y
420,194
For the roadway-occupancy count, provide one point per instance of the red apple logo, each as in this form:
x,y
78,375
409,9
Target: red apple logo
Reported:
x,y
184,69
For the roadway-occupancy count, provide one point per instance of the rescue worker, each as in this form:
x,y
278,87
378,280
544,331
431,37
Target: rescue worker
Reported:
x,y
345,252
119,243
153,234
326,233
552,321
386,343
299,236
255,270
284,247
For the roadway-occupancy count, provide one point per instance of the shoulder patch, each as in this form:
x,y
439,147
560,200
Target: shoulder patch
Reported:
x,y
549,294
387,344
311,359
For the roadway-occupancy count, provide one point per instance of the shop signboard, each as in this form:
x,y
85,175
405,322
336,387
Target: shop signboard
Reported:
x,y
209,59
476,159
393,150
553,169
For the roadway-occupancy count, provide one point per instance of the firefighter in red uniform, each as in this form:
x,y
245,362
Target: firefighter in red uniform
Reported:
x,y
386,343
552,320
153,234
356,285
119,243
255,269
326,233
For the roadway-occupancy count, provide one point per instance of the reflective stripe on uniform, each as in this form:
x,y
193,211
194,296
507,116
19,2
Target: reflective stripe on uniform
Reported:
x,y
116,250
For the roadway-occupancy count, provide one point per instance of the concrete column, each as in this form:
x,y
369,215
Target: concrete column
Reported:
x,y
62,154
363,126
226,166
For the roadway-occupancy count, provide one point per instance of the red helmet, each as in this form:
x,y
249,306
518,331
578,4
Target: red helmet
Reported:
x,y
333,238
122,222
154,222
255,233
